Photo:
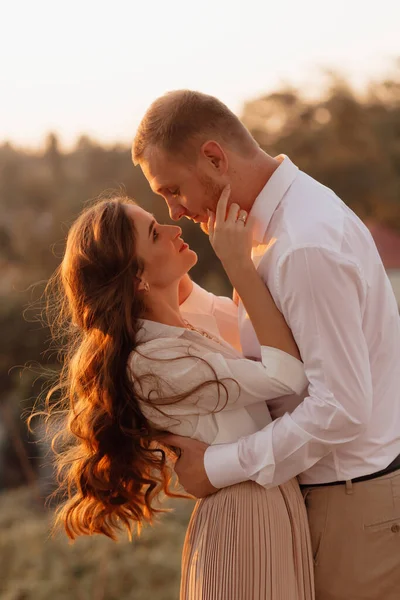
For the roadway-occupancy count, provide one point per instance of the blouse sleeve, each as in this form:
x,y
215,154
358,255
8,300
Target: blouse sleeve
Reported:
x,y
163,372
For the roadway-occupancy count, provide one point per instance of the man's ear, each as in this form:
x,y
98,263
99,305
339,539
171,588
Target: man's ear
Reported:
x,y
215,156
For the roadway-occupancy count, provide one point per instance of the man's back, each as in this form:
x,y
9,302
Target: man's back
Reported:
x,y
312,229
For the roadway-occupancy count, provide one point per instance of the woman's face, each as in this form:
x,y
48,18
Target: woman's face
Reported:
x,y
165,256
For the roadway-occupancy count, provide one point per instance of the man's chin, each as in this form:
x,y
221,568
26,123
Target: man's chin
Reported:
x,y
202,221
204,227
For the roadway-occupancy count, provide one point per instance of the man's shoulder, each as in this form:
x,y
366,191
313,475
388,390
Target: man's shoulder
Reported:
x,y
310,214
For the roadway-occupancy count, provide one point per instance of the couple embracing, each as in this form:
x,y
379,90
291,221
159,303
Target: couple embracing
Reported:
x,y
281,406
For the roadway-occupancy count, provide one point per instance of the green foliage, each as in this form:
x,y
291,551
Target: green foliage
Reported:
x,y
351,144
40,195
34,566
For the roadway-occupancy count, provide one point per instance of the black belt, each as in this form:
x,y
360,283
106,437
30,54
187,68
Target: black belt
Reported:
x,y
394,466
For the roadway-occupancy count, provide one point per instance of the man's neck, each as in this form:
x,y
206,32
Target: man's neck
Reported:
x,y
252,177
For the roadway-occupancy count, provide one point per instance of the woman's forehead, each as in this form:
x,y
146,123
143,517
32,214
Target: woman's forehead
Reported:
x,y
137,213
141,220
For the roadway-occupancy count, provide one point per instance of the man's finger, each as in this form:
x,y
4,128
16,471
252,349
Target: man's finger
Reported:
x,y
168,442
222,204
170,439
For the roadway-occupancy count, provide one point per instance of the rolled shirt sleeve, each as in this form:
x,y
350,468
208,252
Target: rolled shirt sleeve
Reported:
x,y
322,295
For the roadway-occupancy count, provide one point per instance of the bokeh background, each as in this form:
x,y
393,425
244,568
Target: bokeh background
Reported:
x,y
319,81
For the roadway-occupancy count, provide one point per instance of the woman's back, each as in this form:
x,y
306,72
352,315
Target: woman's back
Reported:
x,y
172,361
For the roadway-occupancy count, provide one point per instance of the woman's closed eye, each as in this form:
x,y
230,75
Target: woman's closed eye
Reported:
x,y
175,193
155,234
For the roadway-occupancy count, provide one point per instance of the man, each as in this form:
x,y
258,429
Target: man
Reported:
x,y
324,272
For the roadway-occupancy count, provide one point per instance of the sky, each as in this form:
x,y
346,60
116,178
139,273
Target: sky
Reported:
x,y
94,66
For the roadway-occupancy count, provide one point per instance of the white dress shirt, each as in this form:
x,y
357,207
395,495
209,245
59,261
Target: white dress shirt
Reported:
x,y
325,274
215,414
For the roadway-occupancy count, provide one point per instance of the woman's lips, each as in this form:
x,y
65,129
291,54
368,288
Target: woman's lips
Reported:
x,y
184,247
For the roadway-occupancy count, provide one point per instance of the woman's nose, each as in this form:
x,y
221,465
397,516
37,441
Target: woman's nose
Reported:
x,y
177,231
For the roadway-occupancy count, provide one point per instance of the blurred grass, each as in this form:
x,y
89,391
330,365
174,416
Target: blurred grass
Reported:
x,y
34,566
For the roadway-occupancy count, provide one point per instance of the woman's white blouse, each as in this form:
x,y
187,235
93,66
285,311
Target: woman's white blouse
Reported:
x,y
214,414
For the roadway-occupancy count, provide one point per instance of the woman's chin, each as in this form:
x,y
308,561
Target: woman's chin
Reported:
x,y
195,258
192,258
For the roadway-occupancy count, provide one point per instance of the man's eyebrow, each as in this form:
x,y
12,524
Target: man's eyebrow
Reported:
x,y
151,227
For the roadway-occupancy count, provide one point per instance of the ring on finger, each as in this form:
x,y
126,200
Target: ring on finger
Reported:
x,y
242,216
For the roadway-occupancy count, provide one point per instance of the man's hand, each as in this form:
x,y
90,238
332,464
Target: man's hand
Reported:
x,y
189,467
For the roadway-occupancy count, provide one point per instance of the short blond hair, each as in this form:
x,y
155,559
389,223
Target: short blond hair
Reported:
x,y
178,118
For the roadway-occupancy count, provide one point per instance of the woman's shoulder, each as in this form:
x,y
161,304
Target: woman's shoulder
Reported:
x,y
162,349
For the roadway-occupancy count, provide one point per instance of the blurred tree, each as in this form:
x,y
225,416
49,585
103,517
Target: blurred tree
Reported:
x,y
348,142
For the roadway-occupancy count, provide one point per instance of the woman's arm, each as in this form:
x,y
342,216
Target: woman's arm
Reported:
x,y
232,241
268,322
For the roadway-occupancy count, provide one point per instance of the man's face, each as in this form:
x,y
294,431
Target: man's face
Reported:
x,y
188,188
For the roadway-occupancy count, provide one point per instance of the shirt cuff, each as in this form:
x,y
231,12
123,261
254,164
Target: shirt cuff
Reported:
x,y
222,465
285,368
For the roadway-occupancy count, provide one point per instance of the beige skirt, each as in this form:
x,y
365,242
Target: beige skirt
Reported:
x,y
248,543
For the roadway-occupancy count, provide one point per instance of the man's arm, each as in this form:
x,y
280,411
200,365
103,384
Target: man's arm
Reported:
x,y
322,296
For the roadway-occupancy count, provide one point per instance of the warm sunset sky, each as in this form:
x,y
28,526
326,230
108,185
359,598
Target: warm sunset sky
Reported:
x,y
94,66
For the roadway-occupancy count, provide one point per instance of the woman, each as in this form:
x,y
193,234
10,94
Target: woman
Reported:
x,y
134,366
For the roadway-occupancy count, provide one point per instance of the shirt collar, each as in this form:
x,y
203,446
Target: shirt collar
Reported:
x,y
150,330
199,301
271,195
197,308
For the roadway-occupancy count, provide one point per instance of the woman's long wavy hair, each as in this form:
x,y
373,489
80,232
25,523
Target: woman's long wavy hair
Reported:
x,y
109,469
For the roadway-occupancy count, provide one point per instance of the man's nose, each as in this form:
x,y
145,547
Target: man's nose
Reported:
x,y
176,212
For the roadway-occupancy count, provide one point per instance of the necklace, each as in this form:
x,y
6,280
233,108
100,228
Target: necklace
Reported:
x,y
201,332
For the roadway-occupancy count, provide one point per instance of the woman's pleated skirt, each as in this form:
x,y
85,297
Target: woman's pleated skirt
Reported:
x,y
248,543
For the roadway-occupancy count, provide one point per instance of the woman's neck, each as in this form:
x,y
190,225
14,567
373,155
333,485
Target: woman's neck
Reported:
x,y
163,306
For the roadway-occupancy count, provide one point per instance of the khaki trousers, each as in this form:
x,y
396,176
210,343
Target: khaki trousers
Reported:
x,y
355,534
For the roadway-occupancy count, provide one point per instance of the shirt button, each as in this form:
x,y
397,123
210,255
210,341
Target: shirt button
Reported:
x,y
395,528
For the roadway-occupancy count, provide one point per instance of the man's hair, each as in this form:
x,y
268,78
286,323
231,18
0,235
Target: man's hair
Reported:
x,y
180,121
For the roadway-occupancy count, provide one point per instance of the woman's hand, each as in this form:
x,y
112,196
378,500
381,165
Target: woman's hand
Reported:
x,y
230,234
231,237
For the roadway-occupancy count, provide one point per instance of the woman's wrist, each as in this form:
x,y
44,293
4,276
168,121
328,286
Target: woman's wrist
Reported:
x,y
239,272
